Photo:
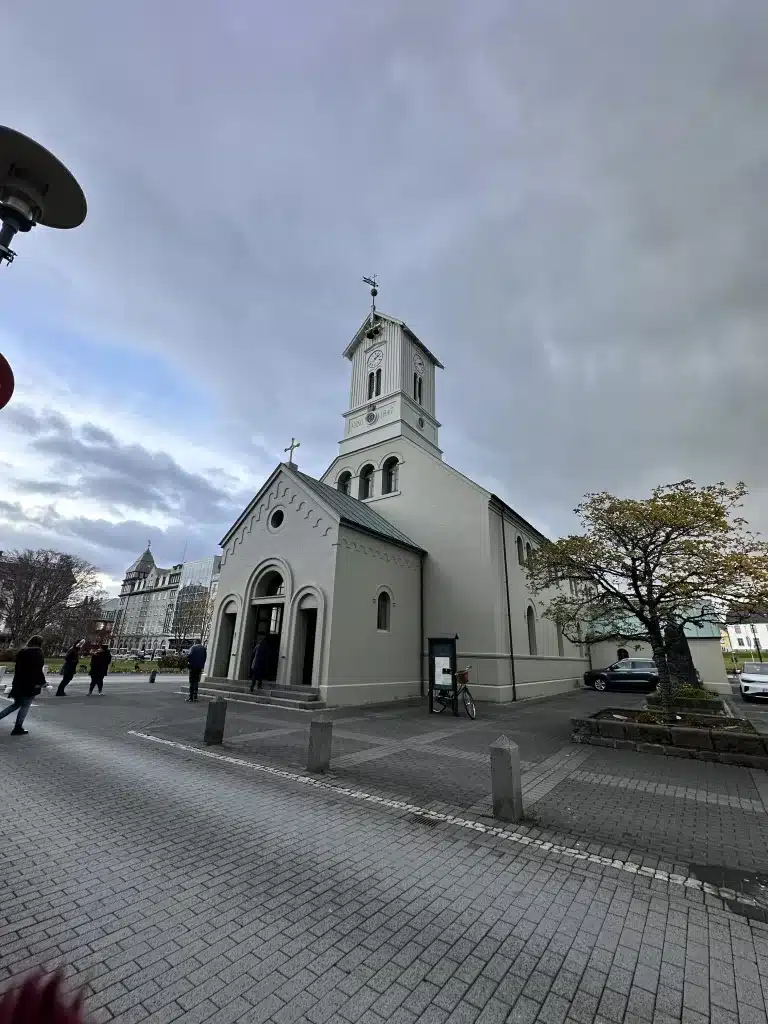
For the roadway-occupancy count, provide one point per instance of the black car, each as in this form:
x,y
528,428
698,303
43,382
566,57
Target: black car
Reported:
x,y
638,674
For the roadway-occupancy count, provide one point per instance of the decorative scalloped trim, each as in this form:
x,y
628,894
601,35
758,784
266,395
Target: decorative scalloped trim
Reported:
x,y
373,552
289,497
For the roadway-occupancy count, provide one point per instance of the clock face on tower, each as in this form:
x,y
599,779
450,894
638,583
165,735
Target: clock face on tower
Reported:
x,y
375,358
418,365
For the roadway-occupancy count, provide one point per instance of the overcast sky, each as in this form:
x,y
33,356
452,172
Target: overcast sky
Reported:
x,y
567,200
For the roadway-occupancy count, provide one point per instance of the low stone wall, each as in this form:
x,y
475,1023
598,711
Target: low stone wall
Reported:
x,y
728,747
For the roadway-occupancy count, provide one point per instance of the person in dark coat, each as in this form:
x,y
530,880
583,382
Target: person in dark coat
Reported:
x,y
69,667
196,662
28,681
99,667
264,660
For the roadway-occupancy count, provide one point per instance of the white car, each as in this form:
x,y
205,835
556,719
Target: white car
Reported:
x,y
754,680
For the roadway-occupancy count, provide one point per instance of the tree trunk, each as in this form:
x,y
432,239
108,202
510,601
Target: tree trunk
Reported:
x,y
660,657
679,659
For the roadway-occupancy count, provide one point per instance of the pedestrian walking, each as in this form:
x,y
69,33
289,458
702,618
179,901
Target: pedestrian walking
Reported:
x,y
69,667
99,667
196,662
28,681
264,661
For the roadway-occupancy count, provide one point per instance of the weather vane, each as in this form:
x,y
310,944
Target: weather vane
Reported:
x,y
374,292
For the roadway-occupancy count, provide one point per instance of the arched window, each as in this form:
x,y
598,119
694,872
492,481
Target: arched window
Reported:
x,y
622,654
520,551
530,617
378,382
528,553
417,388
270,585
389,476
560,645
371,384
345,481
383,606
366,482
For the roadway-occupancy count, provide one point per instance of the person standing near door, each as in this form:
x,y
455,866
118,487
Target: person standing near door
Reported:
x,y
264,661
28,681
69,667
99,668
196,661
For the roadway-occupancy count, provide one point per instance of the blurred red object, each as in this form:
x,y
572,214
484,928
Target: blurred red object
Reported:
x,y
41,1000
6,381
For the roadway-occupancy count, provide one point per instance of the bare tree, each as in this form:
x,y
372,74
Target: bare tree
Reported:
x,y
192,617
36,587
76,621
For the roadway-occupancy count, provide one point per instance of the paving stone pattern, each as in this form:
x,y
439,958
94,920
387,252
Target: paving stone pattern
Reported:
x,y
669,811
180,889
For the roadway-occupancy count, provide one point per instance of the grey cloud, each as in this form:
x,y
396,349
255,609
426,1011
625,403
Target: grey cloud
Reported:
x,y
90,462
565,200
109,546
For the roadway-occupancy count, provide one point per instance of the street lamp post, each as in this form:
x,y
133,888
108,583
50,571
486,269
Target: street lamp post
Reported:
x,y
35,188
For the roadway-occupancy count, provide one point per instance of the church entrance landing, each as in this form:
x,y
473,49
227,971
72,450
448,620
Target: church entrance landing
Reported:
x,y
264,618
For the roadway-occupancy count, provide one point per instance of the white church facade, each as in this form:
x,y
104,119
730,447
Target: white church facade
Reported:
x,y
353,572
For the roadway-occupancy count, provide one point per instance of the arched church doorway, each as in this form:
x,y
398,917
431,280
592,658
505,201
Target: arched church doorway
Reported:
x,y
622,654
304,641
264,617
226,638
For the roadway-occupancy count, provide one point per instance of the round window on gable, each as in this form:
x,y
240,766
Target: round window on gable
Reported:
x,y
276,519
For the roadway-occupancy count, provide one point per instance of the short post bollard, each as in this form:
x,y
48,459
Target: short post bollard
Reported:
x,y
506,780
214,723
153,675
320,737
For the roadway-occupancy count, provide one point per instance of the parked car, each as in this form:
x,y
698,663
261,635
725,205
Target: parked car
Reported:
x,y
638,674
754,680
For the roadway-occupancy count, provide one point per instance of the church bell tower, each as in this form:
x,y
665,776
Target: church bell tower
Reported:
x,y
392,388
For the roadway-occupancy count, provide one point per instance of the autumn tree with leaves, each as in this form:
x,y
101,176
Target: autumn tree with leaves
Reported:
x,y
643,569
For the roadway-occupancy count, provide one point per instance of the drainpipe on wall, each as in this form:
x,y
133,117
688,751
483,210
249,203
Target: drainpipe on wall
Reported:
x,y
421,624
509,608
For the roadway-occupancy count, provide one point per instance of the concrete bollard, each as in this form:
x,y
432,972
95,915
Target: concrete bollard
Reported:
x,y
506,780
320,737
214,723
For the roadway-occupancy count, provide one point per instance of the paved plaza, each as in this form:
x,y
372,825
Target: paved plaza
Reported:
x,y
191,884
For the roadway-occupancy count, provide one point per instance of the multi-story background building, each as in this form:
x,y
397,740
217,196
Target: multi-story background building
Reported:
x,y
164,609
749,633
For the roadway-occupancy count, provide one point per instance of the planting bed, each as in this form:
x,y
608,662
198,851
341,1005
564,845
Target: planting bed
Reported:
x,y
689,734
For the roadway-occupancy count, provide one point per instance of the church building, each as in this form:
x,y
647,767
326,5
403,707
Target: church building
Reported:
x,y
391,546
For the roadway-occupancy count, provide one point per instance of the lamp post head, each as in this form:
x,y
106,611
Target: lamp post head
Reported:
x,y
35,188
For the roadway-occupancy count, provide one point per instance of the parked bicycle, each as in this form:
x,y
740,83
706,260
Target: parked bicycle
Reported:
x,y
444,698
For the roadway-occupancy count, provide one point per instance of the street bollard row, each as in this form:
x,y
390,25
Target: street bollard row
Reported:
x,y
320,735
506,774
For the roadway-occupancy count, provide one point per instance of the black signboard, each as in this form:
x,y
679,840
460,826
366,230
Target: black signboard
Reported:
x,y
442,671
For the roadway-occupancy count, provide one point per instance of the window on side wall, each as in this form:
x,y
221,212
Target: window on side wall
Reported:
x,y
383,607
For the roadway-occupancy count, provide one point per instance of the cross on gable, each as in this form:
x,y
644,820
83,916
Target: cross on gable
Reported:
x,y
291,447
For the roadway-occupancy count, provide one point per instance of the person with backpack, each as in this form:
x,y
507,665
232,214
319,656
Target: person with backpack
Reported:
x,y
28,681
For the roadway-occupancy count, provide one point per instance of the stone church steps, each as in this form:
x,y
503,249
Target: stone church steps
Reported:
x,y
304,698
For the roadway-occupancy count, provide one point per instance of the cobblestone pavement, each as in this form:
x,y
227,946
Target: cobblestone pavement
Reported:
x,y
181,888
679,814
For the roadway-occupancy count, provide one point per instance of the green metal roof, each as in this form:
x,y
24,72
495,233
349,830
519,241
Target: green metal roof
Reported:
x,y
355,513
